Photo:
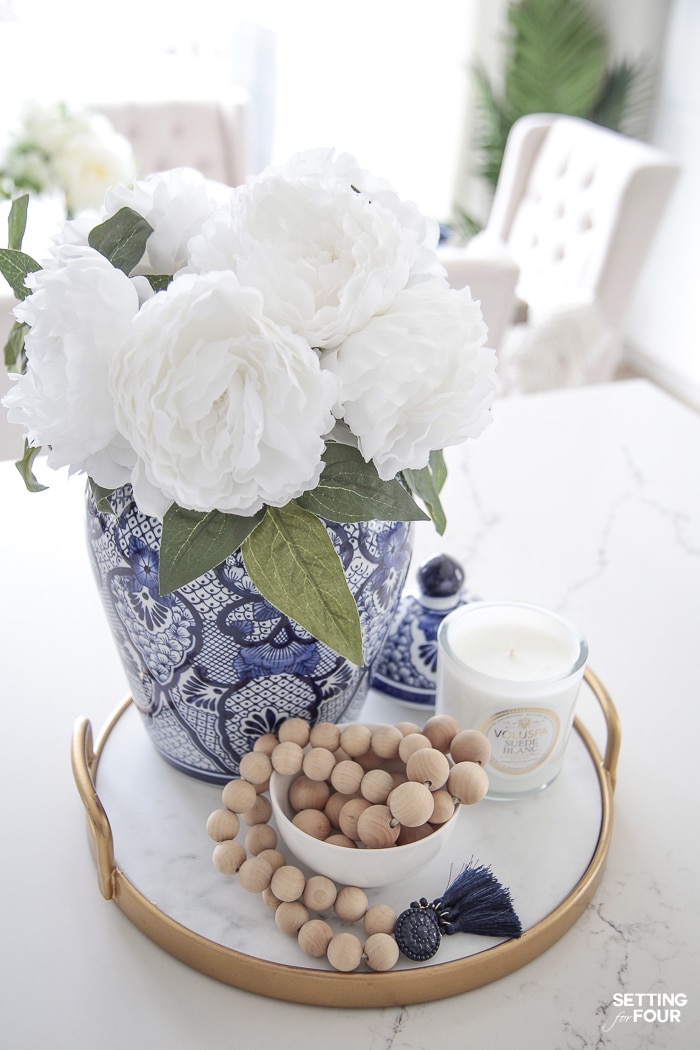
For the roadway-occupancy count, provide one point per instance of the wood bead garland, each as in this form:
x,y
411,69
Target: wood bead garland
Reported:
x,y
356,787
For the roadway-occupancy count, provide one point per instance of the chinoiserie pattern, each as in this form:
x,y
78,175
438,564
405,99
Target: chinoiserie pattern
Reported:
x,y
213,665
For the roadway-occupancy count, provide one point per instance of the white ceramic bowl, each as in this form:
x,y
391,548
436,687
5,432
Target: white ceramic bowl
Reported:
x,y
353,867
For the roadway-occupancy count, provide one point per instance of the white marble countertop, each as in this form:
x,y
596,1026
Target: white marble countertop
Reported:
x,y
583,501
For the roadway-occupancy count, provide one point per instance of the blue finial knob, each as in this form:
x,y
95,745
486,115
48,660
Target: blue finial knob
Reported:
x,y
440,577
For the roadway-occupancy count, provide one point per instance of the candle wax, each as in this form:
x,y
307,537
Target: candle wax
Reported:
x,y
514,650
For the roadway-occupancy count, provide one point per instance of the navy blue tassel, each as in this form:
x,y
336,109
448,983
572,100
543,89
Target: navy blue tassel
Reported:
x,y
474,902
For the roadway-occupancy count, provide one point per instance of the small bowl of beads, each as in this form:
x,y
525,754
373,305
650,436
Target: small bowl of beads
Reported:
x,y
372,805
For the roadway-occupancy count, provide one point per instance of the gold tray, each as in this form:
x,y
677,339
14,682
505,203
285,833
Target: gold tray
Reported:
x,y
305,983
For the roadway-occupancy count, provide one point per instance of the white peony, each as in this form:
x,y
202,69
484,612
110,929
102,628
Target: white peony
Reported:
x,y
326,257
64,400
225,409
342,170
92,157
417,378
176,203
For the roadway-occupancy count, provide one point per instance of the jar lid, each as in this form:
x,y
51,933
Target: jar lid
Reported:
x,y
406,667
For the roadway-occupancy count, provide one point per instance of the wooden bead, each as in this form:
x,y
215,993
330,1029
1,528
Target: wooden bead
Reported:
x,y
333,806
290,916
223,824
351,904
411,803
398,776
377,828
349,815
355,740
409,835
314,938
255,767
471,746
381,952
255,875
319,893
325,734
238,795
313,822
468,782
318,763
308,794
266,743
428,766
441,731
259,813
376,785
274,858
288,883
380,918
228,857
346,777
344,952
370,760
287,758
269,899
295,730
386,740
410,743
443,807
405,728
261,837
341,840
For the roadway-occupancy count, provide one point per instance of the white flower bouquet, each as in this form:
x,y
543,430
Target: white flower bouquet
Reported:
x,y
60,148
251,361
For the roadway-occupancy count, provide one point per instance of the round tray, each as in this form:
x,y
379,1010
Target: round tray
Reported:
x,y
549,850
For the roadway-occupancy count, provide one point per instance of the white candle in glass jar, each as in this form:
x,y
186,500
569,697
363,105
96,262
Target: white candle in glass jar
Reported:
x,y
513,671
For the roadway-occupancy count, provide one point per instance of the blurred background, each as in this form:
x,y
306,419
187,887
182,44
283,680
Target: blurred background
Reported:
x,y
401,85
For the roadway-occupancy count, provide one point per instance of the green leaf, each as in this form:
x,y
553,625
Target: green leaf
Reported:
x,y
15,357
159,281
122,239
17,221
25,465
292,561
193,543
351,490
14,266
426,485
101,497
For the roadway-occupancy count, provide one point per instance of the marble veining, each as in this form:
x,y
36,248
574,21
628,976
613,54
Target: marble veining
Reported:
x,y
585,501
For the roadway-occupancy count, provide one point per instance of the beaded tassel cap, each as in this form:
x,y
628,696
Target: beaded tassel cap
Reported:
x,y
475,902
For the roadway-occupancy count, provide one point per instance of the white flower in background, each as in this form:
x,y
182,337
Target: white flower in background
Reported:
x,y
326,257
64,399
176,203
417,378
75,151
226,410
92,158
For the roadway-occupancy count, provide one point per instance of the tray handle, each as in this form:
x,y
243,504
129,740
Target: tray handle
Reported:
x,y
102,843
612,724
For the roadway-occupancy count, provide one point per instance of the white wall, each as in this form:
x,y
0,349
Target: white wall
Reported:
x,y
664,328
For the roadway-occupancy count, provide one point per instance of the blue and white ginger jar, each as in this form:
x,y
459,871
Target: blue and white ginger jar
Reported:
x,y
212,666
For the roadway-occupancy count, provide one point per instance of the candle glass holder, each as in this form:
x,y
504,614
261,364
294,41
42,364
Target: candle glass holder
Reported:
x,y
512,671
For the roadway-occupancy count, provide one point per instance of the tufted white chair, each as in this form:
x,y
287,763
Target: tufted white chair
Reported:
x,y
491,275
576,207
209,135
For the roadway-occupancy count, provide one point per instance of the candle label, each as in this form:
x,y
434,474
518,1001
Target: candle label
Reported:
x,y
521,739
